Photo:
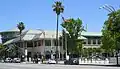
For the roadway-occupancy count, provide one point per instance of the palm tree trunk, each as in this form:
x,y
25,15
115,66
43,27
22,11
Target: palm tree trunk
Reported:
x,y
57,53
20,42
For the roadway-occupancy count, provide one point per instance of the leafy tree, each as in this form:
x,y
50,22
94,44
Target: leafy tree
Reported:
x,y
2,51
79,48
14,51
1,46
58,8
74,29
85,53
111,32
114,26
10,51
107,39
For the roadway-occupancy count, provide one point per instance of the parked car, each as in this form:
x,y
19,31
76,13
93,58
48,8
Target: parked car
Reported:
x,y
8,60
2,60
72,60
51,61
16,60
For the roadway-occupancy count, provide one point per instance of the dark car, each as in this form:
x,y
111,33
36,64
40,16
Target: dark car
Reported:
x,y
73,60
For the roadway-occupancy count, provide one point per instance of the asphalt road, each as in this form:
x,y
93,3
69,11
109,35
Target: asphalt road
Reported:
x,y
50,66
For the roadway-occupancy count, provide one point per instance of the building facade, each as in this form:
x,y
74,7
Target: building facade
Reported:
x,y
93,39
42,42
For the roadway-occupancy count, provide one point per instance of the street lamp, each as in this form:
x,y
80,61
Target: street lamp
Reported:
x,y
111,9
107,7
65,38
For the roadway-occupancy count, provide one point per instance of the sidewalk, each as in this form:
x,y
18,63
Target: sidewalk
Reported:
x,y
94,63
97,63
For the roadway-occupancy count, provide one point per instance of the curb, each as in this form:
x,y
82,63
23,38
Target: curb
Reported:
x,y
101,65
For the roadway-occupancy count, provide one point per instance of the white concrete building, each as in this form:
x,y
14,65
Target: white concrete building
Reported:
x,y
42,42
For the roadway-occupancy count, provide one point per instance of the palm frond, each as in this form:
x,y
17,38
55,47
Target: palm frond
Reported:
x,y
57,7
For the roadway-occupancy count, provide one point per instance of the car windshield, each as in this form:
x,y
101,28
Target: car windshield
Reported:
x,y
73,56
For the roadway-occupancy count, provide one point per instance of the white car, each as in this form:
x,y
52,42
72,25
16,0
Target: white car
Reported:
x,y
8,60
51,61
16,60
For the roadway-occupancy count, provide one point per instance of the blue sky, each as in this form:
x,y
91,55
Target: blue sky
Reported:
x,y
38,14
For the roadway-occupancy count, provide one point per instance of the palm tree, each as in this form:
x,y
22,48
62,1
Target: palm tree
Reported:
x,y
21,27
57,8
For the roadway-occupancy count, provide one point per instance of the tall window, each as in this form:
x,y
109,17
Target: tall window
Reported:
x,y
47,42
84,42
29,44
94,41
55,43
60,42
40,42
35,43
89,41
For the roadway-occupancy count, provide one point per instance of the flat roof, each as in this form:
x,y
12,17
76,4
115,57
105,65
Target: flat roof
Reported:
x,y
91,33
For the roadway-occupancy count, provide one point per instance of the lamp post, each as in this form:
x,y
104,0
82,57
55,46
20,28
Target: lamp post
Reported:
x,y
111,9
65,38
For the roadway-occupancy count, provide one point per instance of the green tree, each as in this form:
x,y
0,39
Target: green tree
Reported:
x,y
114,27
74,29
2,51
14,51
111,32
79,48
108,43
85,53
58,8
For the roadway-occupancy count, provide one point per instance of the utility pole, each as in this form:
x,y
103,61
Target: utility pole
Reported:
x,y
66,44
65,39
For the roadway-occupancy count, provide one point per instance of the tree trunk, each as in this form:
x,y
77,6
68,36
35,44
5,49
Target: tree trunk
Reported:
x,y
57,53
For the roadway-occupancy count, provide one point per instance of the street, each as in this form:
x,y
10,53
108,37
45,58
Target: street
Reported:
x,y
50,66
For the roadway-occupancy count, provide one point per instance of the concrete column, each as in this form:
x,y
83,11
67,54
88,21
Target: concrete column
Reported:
x,y
86,41
96,41
23,44
25,49
91,41
33,49
44,46
52,57
37,43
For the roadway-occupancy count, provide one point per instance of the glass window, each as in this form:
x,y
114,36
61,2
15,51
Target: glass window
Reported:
x,y
94,41
30,44
84,42
40,43
60,42
55,43
35,43
47,42
89,41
